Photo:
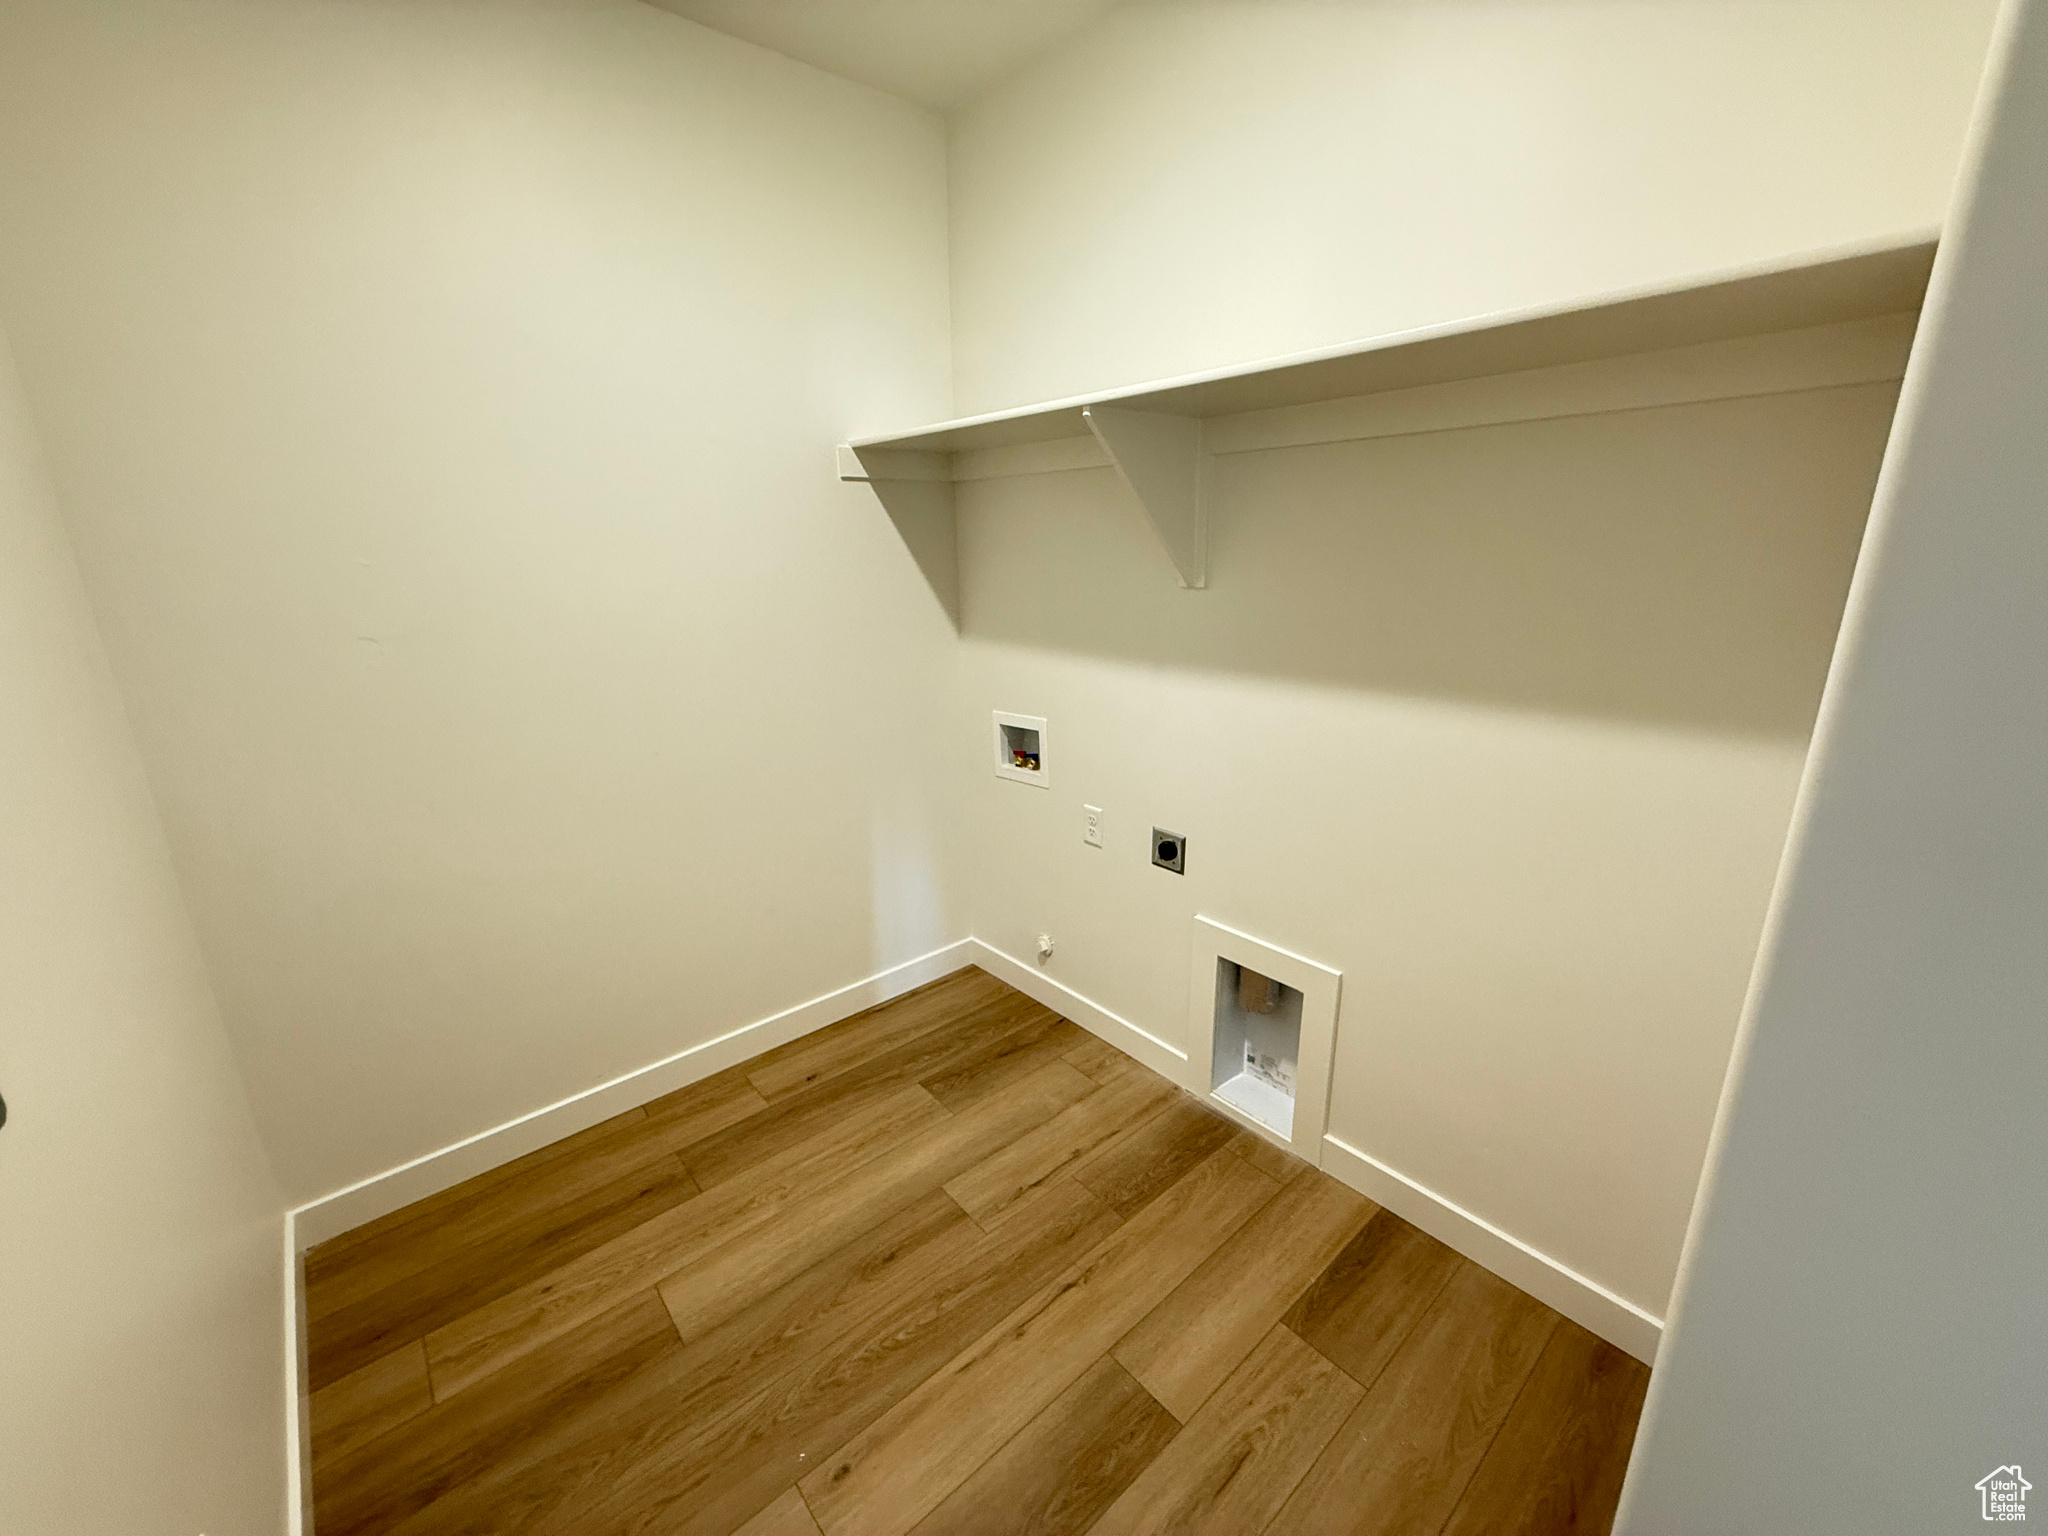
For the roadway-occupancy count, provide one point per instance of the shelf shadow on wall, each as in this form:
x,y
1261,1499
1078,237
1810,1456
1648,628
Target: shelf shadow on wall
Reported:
x,y
1682,566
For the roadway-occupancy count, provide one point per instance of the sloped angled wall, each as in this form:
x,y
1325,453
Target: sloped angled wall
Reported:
x,y
141,1233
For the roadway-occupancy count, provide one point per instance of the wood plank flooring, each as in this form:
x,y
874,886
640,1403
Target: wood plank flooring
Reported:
x,y
952,1267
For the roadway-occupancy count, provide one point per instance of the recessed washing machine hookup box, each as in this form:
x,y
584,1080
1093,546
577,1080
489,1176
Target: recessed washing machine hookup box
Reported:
x,y
1020,749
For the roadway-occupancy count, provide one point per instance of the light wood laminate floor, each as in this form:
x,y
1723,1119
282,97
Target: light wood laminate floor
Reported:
x,y
952,1266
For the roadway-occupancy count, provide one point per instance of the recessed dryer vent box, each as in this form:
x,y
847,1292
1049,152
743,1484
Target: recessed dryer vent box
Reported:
x,y
1020,749
1269,1019
1256,1050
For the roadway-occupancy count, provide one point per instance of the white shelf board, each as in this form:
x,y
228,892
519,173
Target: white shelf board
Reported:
x,y
1859,283
1162,437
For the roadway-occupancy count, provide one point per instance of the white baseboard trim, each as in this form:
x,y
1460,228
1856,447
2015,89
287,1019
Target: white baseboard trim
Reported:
x,y
1586,1302
298,1422
1592,1306
331,1215
1166,1060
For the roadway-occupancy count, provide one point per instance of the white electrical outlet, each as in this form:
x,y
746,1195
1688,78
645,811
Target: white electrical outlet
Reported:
x,y
1091,825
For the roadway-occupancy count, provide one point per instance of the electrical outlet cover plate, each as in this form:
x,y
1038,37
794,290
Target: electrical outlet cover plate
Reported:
x,y
1170,851
1091,825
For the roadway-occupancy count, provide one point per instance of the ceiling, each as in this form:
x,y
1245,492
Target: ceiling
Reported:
x,y
939,53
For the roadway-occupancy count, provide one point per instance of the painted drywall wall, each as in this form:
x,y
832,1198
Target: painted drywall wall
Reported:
x,y
443,398
140,1269
1861,1331
1504,723
1191,185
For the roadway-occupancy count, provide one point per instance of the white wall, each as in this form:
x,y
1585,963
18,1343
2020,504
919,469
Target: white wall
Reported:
x,y
1863,1288
443,397
1497,722
1505,723
1202,182
140,1229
